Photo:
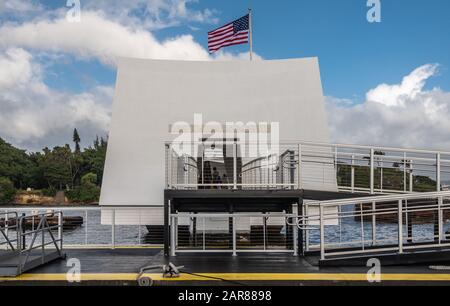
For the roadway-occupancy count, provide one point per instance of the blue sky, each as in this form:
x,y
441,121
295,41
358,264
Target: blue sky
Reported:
x,y
378,78
354,55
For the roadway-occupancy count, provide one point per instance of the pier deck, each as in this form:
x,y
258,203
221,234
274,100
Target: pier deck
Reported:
x,y
121,267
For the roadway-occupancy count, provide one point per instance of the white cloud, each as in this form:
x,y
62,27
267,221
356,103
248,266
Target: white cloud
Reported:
x,y
152,14
19,7
33,115
16,68
404,115
100,38
409,88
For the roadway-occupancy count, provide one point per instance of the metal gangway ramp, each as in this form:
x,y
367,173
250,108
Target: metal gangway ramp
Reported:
x,y
397,229
27,242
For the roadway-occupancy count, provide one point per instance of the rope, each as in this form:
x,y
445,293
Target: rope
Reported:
x,y
215,278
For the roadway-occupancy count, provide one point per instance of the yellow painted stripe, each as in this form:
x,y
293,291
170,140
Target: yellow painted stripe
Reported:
x,y
233,277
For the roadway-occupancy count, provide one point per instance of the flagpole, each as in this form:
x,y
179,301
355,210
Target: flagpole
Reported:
x,y
250,26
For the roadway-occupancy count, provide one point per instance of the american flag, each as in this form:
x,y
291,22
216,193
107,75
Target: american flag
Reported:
x,y
233,33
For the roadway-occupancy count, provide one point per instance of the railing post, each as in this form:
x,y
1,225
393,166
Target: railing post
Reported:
x,y
203,164
440,221
86,227
305,226
362,226
7,227
113,229
234,235
234,166
322,233
169,165
336,162
60,229
352,174
299,168
400,226
438,171
404,171
381,175
411,176
295,233
372,171
374,224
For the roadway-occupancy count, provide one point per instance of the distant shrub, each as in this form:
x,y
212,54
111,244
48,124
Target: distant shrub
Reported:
x,y
89,178
88,192
7,191
49,192
84,194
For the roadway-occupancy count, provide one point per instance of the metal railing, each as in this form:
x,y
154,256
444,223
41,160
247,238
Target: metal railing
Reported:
x,y
31,244
308,165
9,230
101,226
233,233
393,223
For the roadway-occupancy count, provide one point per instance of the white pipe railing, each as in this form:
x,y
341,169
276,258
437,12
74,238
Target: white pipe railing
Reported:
x,y
92,233
389,170
424,206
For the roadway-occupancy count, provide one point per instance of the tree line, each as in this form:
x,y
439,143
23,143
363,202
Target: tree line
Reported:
x,y
78,172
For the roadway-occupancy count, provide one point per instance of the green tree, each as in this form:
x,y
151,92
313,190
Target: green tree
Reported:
x,y
7,190
76,140
55,166
16,165
94,158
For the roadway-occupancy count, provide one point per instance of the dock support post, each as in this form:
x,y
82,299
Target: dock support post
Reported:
x,y
400,227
